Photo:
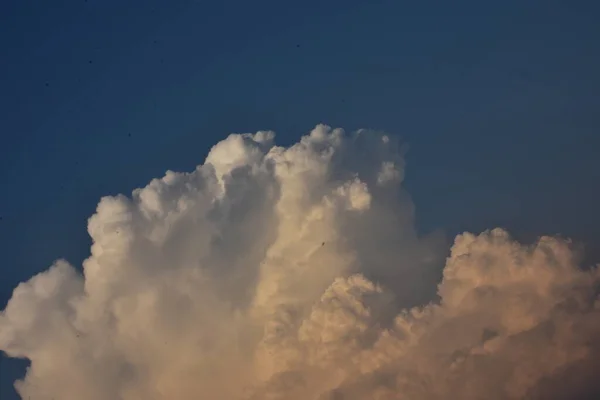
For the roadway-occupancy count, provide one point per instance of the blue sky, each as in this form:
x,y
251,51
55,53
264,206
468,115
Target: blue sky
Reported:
x,y
497,101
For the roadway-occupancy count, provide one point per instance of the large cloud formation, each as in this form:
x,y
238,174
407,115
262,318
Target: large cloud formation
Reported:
x,y
296,273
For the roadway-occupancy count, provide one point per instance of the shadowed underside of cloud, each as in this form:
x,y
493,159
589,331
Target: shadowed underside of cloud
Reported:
x,y
296,273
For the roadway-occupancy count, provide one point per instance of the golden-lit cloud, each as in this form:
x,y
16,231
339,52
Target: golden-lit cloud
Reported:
x,y
296,273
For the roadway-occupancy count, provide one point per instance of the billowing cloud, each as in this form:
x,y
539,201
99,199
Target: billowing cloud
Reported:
x,y
296,273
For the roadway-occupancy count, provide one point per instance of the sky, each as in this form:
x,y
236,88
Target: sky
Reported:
x,y
496,101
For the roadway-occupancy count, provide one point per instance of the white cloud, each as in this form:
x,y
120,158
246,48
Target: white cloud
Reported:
x,y
296,273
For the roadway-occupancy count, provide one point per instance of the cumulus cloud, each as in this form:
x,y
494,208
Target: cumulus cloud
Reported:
x,y
296,273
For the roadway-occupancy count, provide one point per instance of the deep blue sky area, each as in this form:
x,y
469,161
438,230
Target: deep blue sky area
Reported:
x,y
498,100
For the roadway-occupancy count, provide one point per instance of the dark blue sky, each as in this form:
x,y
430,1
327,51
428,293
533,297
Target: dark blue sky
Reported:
x,y
497,100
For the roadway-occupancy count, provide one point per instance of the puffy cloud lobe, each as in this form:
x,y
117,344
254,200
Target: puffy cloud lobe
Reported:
x,y
296,273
